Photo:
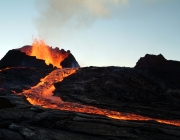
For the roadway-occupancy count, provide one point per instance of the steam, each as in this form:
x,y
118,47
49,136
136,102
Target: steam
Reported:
x,y
55,15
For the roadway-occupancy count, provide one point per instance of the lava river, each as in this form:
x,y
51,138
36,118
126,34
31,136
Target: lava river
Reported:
x,y
42,95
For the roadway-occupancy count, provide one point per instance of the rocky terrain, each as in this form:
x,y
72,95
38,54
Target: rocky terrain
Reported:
x,y
166,70
17,79
121,89
146,90
16,58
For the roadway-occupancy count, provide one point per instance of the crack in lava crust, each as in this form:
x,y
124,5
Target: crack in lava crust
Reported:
x,y
42,95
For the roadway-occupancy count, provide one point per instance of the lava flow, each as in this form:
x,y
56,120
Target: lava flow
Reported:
x,y
44,52
42,95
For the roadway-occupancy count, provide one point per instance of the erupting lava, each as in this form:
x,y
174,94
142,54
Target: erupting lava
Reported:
x,y
44,52
41,95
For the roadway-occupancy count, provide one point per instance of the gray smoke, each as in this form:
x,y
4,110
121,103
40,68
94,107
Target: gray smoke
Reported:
x,y
55,15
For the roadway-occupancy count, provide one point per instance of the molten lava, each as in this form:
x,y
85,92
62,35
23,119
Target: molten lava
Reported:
x,y
44,52
42,95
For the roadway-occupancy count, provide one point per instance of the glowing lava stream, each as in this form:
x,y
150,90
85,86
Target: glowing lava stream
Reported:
x,y
42,95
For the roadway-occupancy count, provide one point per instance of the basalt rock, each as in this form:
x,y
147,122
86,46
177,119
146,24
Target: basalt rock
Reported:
x,y
158,66
23,123
151,61
69,62
121,89
5,103
113,88
18,79
16,58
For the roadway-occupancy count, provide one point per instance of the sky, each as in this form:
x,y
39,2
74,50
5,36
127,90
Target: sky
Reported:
x,y
97,32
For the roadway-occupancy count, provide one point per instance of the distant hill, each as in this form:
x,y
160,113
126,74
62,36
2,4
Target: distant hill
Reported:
x,y
157,65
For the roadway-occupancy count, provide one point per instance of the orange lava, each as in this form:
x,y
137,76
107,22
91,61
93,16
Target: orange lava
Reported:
x,y
44,52
42,95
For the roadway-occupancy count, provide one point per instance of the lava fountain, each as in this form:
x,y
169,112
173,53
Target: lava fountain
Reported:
x,y
44,52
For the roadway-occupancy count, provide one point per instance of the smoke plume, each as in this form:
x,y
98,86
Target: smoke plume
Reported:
x,y
55,15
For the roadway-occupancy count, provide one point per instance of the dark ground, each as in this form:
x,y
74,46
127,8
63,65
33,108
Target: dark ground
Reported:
x,y
133,90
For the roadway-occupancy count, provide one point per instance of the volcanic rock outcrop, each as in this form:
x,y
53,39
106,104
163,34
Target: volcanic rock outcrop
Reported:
x,y
18,79
16,58
121,89
157,65
69,62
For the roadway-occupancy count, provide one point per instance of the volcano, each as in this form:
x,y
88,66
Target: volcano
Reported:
x,y
57,58
44,94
